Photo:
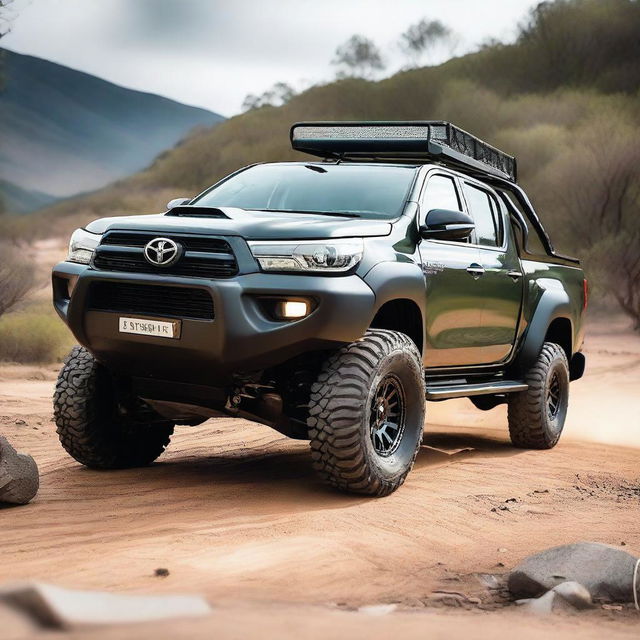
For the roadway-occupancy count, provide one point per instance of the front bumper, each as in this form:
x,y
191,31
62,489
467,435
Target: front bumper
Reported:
x,y
240,339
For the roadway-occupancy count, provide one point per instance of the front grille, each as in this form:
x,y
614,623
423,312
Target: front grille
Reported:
x,y
203,257
153,300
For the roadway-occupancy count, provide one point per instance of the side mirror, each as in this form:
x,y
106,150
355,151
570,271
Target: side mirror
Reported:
x,y
176,202
443,224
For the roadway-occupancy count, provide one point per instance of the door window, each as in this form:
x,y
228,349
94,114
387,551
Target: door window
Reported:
x,y
485,214
441,193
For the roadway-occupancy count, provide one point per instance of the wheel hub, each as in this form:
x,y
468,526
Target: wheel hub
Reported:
x,y
387,419
554,397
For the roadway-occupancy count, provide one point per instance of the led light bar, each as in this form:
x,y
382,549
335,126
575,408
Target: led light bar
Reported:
x,y
415,141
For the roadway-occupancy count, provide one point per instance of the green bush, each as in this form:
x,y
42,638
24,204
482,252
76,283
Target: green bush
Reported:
x,y
33,336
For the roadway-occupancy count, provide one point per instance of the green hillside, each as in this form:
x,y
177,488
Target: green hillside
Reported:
x,y
18,200
64,132
574,67
564,98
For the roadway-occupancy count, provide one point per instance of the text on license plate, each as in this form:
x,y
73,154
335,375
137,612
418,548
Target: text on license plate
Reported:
x,y
146,327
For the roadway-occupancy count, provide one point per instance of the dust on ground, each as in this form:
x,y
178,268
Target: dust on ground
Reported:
x,y
233,511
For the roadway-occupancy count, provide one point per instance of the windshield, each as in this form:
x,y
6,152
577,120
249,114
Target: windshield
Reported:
x,y
358,190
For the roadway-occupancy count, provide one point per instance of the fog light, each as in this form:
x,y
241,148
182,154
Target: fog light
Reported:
x,y
292,309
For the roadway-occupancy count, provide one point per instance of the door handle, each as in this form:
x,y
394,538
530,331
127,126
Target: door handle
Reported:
x,y
476,270
515,275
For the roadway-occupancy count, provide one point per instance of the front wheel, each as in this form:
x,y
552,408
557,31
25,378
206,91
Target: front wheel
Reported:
x,y
537,415
92,426
366,414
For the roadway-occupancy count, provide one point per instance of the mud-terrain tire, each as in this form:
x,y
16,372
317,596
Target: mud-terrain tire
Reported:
x,y
90,426
537,415
361,389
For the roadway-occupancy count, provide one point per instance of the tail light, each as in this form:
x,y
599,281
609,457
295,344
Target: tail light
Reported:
x,y
585,293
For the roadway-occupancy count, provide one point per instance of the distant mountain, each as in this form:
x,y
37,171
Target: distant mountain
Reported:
x,y
63,132
15,199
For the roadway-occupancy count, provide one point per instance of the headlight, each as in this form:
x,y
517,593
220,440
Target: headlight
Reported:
x,y
82,245
325,256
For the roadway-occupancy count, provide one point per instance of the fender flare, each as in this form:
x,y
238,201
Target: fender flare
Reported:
x,y
398,281
552,304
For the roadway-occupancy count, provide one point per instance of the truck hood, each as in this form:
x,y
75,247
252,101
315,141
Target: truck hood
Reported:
x,y
251,225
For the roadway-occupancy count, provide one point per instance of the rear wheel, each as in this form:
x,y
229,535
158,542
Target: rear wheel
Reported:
x,y
536,416
366,414
93,427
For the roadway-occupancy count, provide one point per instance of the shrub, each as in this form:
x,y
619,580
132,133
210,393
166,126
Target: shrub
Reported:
x,y
16,277
33,336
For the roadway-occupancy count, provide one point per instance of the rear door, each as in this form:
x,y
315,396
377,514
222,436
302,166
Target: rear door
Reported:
x,y
500,283
454,295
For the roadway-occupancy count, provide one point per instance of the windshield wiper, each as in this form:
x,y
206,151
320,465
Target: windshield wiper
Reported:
x,y
340,214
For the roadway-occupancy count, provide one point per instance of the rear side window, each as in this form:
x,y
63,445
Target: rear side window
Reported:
x,y
441,193
486,216
534,242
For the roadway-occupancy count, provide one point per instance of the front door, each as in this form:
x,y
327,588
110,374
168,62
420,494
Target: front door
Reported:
x,y
454,299
501,282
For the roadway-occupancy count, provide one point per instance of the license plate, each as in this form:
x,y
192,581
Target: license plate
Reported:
x,y
146,327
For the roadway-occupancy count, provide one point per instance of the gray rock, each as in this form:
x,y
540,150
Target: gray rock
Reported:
x,y
575,594
19,478
542,606
567,596
605,571
58,608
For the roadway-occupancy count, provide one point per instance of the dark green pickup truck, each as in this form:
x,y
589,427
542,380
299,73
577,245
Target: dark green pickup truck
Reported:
x,y
327,299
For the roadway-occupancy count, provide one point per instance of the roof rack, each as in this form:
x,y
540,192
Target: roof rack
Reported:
x,y
415,141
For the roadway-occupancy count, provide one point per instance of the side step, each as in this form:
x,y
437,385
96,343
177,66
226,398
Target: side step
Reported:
x,y
442,392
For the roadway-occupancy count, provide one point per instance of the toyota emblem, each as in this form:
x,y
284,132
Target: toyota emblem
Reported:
x,y
162,252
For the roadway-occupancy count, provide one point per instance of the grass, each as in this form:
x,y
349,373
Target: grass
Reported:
x,y
34,335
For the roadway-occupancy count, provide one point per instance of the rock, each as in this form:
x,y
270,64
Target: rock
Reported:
x,y
540,606
575,594
567,596
70,609
19,478
605,571
489,580
161,573
378,609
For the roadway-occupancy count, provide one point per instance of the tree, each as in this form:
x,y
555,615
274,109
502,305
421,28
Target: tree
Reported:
x,y
358,57
618,257
596,190
5,17
16,278
422,37
280,93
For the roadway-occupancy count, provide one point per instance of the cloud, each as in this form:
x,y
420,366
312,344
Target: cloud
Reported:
x,y
212,53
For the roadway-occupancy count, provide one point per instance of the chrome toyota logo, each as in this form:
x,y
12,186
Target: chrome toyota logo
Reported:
x,y
162,252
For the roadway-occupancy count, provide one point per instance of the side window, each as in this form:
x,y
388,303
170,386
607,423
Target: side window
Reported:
x,y
484,213
499,216
440,193
534,243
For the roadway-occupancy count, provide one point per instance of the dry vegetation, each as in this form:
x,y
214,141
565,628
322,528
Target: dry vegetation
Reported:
x,y
563,98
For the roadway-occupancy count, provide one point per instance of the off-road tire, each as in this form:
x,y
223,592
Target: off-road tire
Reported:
x,y
342,446
89,424
531,423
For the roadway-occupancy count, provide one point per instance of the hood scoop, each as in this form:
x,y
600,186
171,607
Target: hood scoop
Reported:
x,y
189,211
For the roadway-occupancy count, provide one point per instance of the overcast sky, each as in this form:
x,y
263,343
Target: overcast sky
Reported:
x,y
212,53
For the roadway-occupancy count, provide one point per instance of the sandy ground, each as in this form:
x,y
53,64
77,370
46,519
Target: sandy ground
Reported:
x,y
234,512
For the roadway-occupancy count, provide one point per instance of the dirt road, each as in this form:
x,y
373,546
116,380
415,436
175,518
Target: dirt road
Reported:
x,y
233,511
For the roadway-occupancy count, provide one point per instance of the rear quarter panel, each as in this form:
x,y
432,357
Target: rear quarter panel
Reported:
x,y
553,291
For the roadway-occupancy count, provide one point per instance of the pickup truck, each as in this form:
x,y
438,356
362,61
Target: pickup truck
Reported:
x,y
326,298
